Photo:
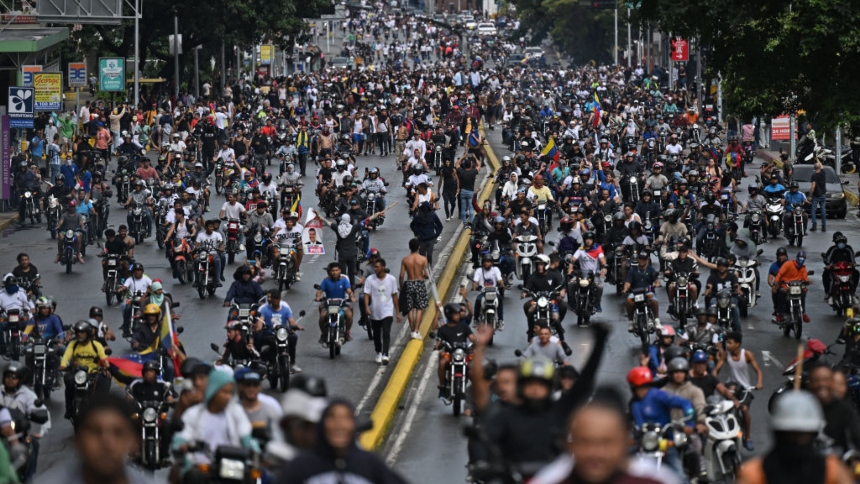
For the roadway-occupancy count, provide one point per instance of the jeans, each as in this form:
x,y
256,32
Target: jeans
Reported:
x,y
55,169
817,201
425,248
466,205
501,306
736,312
450,200
382,334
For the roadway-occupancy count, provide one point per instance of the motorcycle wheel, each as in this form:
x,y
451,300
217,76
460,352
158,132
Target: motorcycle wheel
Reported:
x,y
799,240
457,400
491,323
774,230
332,343
159,238
201,289
211,290
231,257
284,380
798,328
68,265
149,455
744,308
140,237
108,294
642,325
181,272
218,185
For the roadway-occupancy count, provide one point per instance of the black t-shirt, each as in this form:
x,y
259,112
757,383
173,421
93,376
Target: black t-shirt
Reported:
x,y
239,147
115,246
454,334
708,383
326,173
209,139
467,178
683,265
547,281
720,283
31,274
820,183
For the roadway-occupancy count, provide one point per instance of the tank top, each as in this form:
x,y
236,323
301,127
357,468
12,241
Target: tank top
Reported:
x,y
739,370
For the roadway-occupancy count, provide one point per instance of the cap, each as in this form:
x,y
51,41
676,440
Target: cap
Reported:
x,y
247,375
198,165
298,404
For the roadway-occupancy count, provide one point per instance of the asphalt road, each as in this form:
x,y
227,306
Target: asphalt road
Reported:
x,y
354,375
426,432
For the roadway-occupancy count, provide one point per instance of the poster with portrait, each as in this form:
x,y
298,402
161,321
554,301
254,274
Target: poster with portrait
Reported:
x,y
312,236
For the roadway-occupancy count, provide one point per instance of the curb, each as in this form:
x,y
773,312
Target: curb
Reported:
x,y
385,408
7,223
853,198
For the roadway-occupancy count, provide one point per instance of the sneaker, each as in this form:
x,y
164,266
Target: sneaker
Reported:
x,y
241,247
384,359
298,276
657,324
348,336
322,341
748,445
295,369
379,358
442,392
813,228
840,340
806,318
81,259
126,333
629,326
500,325
416,335
566,347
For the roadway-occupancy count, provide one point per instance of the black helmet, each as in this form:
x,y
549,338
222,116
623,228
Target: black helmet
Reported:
x,y
96,311
678,364
837,235
151,365
267,177
634,225
82,326
647,192
194,366
794,184
721,261
16,368
701,311
752,188
588,235
312,385
451,309
347,180
781,251
618,216
486,258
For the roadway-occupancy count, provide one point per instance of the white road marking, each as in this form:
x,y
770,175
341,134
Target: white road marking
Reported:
x,y
769,358
374,382
432,364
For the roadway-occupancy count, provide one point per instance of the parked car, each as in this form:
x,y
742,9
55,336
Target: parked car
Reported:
x,y
340,63
469,22
534,52
486,28
837,204
515,59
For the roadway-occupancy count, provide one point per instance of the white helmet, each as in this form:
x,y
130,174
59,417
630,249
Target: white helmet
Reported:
x,y
797,411
543,259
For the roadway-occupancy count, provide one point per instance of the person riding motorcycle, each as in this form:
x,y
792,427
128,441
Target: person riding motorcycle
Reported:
x,y
16,397
47,326
591,260
243,290
723,279
794,197
149,388
544,280
613,238
791,271
682,264
84,352
276,312
642,276
141,196
673,227
452,333
70,220
840,251
147,334
237,348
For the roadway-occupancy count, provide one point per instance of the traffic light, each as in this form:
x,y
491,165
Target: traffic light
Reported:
x,y
603,4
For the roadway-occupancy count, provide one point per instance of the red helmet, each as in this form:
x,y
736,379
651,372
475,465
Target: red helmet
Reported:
x,y
639,376
667,331
73,204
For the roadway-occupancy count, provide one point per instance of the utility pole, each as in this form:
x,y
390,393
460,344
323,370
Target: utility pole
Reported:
x,y
699,91
137,13
616,35
838,149
792,143
196,72
629,42
223,67
176,53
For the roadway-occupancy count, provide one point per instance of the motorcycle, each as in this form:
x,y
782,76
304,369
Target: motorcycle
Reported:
x,y
722,448
682,304
745,272
228,464
774,210
232,239
489,310
151,416
21,426
53,212
709,241
12,334
85,387
617,269
794,230
219,176
134,301
290,194
459,356
31,207
543,306
182,258
543,213
724,307
336,335
755,224
137,228
654,440
437,159
112,278
285,271
794,321
813,352
643,319
69,255
160,222
526,250
581,298
279,367
206,278
42,353
245,313
842,288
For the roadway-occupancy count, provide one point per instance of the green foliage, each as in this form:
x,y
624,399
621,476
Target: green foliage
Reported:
x,y
775,56
581,31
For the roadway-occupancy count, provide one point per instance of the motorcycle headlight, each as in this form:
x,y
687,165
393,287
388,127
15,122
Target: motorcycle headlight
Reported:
x,y
137,211
149,415
650,441
459,355
583,283
258,238
231,469
682,281
723,303
70,234
607,219
755,217
638,298
542,301
282,334
27,194
794,290
680,438
81,377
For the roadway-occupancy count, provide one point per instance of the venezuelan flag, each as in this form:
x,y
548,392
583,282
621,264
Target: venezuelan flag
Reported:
x,y
126,369
550,150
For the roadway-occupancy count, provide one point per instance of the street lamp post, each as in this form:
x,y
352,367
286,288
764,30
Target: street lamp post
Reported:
x,y
138,5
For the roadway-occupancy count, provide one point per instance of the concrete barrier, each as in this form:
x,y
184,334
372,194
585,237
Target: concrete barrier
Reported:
x,y
383,413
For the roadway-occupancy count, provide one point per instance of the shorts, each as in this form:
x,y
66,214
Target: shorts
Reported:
x,y
357,138
649,295
413,296
742,394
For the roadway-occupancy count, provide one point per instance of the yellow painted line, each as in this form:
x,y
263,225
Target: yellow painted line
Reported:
x,y
383,413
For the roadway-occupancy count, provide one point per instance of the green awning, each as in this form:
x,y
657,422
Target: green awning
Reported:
x,y
31,40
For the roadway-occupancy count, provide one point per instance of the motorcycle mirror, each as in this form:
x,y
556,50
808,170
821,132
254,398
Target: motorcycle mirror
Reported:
x,y
551,243
386,183
761,251
811,273
176,304
520,287
302,313
180,329
108,351
214,347
38,416
518,353
844,182
317,287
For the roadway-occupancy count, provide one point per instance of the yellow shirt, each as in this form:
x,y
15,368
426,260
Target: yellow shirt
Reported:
x,y
541,194
86,354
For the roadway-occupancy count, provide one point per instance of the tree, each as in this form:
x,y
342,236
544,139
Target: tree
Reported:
x,y
775,56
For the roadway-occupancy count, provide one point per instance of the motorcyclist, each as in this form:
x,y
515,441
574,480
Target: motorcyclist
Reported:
x,y
47,326
634,241
70,220
453,333
237,348
703,332
840,251
274,313
679,384
263,411
482,225
792,198
244,290
138,282
591,260
545,280
720,280
489,276
213,241
651,405
84,352
374,184
148,388
15,396
613,238
148,333
259,220
25,180
102,332
142,197
791,271
647,207
335,286
643,276
673,227
756,203
682,264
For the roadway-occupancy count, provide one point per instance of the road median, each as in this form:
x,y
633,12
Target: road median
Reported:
x,y
385,408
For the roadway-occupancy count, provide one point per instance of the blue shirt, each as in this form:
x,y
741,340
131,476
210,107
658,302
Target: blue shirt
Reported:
x,y
657,407
38,146
49,327
793,199
774,268
335,289
83,208
774,188
272,317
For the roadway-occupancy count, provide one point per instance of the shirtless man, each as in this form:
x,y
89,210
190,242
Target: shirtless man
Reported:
x,y
127,239
414,288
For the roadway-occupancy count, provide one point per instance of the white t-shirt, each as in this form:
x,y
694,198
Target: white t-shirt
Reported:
x,y
171,215
212,241
487,278
382,294
285,237
233,211
133,285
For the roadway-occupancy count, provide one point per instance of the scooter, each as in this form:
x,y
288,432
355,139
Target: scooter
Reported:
x,y
774,210
745,272
526,250
722,448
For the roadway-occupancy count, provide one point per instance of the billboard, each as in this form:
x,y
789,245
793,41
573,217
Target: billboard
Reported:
x,y
680,50
780,128
267,54
77,74
20,107
111,74
48,91
27,74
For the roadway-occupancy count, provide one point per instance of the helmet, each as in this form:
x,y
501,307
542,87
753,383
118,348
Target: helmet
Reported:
x,y
639,376
701,311
341,164
574,181
678,364
151,309
647,192
43,302
535,368
82,326
267,177
752,188
451,309
234,324
499,220
60,177
312,385
722,261
658,165
73,204
588,235
667,331
794,184
151,365
486,258
618,216
781,251
17,369
797,411
506,159
373,171
95,312
699,357
837,235
634,225
542,259
194,366
682,181
347,180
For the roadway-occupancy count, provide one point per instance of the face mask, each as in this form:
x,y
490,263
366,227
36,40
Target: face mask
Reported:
x,y
841,245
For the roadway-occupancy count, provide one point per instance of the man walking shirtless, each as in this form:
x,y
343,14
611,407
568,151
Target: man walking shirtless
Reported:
x,y
413,290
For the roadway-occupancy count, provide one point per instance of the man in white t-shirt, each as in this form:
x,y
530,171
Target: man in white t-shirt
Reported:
x,y
489,276
232,209
138,282
213,241
381,296
288,234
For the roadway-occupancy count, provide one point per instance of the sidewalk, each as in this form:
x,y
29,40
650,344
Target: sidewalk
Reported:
x,y
7,219
850,190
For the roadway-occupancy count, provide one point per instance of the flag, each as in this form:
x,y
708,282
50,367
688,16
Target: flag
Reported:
x,y
550,150
596,113
167,339
126,369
